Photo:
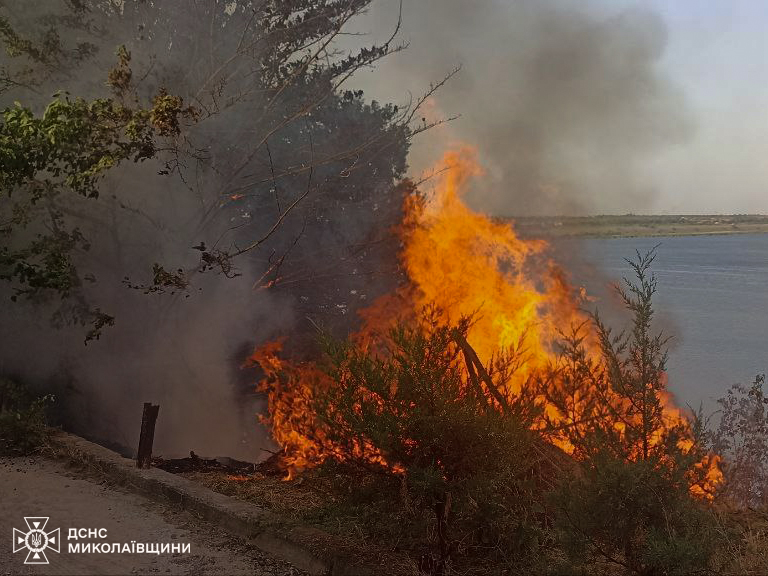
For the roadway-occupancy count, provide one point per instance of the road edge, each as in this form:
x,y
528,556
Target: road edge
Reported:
x,y
258,526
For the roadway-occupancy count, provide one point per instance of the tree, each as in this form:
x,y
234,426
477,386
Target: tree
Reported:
x,y
66,151
237,112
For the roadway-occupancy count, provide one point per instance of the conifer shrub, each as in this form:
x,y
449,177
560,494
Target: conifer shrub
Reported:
x,y
470,473
471,482
630,505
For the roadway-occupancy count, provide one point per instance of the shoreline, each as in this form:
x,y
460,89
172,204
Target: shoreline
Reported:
x,y
633,226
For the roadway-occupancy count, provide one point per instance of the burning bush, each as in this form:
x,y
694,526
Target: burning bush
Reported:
x,y
467,265
475,410
617,403
463,449
472,451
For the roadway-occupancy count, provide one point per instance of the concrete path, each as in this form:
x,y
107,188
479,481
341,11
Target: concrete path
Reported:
x,y
47,488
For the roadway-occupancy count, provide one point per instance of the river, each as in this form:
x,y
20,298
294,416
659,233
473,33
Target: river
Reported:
x,y
712,298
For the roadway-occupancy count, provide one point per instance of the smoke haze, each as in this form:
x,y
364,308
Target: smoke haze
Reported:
x,y
180,352
185,350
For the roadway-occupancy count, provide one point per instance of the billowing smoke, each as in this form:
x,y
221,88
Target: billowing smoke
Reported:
x,y
566,101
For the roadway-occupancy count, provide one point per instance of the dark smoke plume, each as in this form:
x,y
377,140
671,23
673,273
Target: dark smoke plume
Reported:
x,y
565,102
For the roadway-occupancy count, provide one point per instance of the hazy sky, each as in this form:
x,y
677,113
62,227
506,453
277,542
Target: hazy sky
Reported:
x,y
607,106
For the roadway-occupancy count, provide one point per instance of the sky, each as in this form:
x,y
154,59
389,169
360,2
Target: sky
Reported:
x,y
718,53
585,107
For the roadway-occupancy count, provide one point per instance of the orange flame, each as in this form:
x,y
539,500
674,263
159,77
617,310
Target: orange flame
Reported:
x,y
468,265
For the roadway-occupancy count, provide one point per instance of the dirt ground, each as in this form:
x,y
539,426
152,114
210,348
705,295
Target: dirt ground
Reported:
x,y
42,487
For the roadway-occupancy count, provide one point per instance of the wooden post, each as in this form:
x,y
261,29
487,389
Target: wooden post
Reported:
x,y
147,437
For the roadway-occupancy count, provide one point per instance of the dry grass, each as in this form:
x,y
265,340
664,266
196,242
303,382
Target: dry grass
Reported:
x,y
743,537
290,499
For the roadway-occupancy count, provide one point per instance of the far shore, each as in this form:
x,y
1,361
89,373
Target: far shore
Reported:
x,y
632,225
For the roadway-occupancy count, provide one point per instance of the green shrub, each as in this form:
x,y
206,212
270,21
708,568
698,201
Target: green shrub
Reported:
x,y
637,515
22,418
465,473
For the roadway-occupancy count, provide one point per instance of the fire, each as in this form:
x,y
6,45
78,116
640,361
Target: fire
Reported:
x,y
289,389
467,265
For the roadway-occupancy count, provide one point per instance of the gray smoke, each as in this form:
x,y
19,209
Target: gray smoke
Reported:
x,y
565,101
181,350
